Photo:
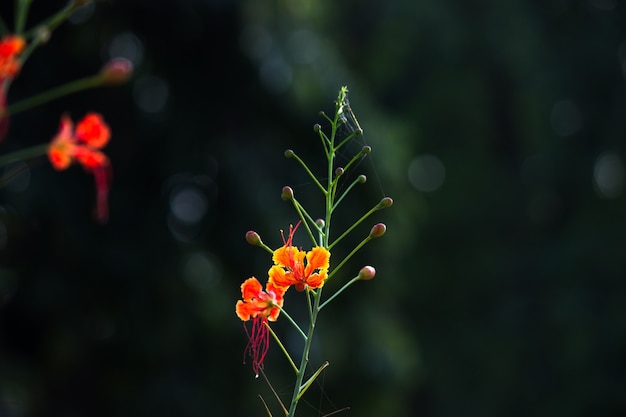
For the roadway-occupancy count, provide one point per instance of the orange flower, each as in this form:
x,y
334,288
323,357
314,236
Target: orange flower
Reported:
x,y
10,47
260,306
291,269
83,145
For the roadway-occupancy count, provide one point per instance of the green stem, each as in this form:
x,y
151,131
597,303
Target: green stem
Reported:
x,y
297,390
23,154
55,93
282,347
352,281
21,11
351,228
305,217
359,180
308,171
292,321
355,250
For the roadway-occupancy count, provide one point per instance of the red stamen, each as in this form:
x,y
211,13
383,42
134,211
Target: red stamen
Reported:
x,y
258,343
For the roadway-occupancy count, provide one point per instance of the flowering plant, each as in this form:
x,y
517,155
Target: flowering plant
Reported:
x,y
82,144
306,271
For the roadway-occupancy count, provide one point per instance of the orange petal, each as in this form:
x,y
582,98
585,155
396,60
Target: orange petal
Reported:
x,y
276,291
280,278
250,288
59,154
316,280
285,256
243,310
317,258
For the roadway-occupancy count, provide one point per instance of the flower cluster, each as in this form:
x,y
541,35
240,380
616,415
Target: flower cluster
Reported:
x,y
292,266
260,307
83,145
307,271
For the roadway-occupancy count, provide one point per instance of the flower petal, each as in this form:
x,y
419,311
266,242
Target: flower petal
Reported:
x,y
280,278
316,280
243,310
250,289
317,258
93,131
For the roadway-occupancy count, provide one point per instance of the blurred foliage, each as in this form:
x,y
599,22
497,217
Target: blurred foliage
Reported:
x,y
501,280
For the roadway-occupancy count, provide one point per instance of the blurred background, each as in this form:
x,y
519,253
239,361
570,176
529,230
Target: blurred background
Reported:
x,y
497,127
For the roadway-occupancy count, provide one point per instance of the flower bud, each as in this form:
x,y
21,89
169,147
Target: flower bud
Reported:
x,y
287,193
43,34
253,238
366,149
317,127
361,179
366,273
116,71
289,153
320,223
385,202
339,172
378,230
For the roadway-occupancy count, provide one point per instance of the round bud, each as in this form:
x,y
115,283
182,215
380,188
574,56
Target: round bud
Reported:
x,y
378,230
320,223
289,153
317,127
339,171
359,131
253,238
116,71
367,272
366,149
361,179
287,193
385,202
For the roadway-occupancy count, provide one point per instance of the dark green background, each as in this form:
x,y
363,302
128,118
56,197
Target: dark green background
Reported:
x,y
500,293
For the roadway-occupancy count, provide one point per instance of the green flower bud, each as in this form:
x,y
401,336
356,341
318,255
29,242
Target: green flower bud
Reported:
x,y
289,153
366,149
320,223
317,127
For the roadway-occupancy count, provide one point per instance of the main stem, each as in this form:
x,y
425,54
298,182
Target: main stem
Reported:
x,y
330,196
304,361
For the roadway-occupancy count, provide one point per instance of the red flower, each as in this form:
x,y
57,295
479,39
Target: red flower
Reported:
x,y
262,307
83,145
10,48
291,269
